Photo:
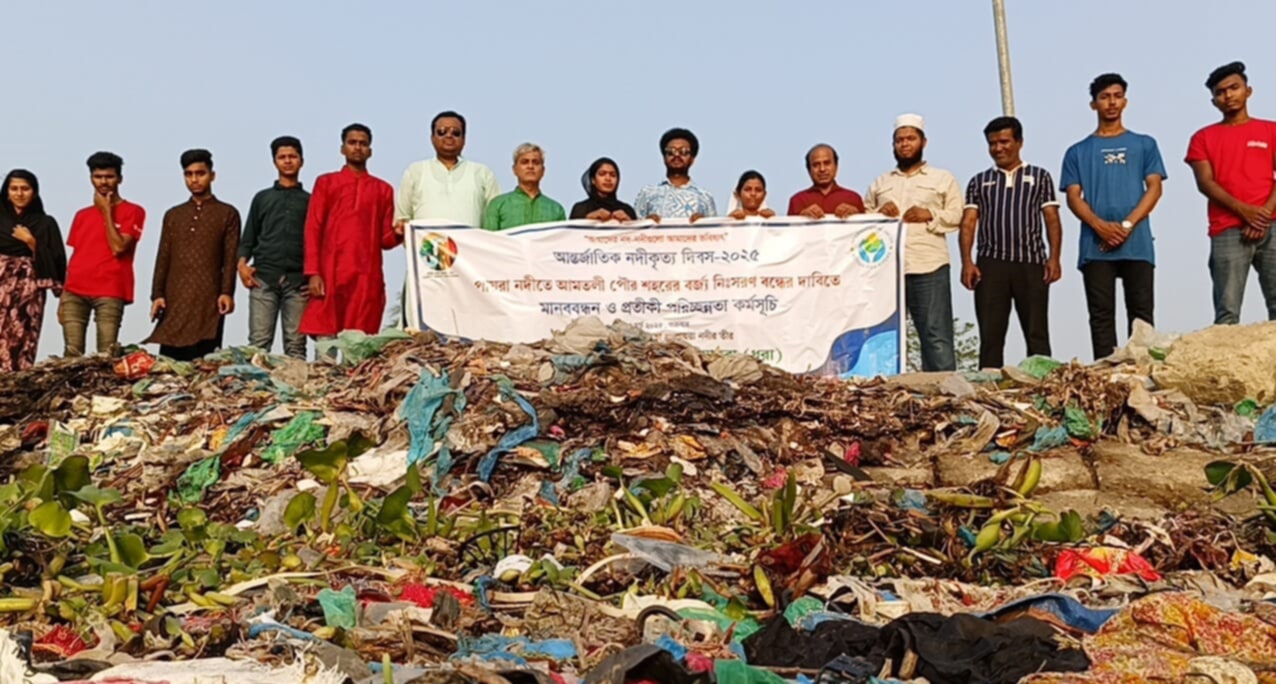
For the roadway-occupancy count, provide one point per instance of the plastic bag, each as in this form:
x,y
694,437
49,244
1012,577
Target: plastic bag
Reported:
x,y
1103,562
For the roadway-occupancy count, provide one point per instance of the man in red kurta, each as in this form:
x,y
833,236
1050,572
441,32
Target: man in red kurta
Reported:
x,y
349,222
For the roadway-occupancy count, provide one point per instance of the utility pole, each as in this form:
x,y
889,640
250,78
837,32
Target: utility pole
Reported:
x,y
1003,58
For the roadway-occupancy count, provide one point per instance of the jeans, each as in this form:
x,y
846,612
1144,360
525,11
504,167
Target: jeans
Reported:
x,y
929,299
1100,295
73,314
1004,283
277,300
1230,259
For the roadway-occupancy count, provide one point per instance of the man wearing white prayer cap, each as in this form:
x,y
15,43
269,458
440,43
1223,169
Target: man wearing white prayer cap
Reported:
x,y
930,203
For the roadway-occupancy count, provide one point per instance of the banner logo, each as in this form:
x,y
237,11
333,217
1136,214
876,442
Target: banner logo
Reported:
x,y
438,252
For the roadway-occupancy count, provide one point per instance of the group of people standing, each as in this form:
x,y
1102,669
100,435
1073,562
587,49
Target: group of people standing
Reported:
x,y
312,261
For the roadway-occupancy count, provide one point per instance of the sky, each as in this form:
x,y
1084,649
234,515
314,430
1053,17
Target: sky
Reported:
x,y
758,82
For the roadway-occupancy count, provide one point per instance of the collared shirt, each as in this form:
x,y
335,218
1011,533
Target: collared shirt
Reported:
x,y
199,243
836,197
430,190
94,270
667,200
275,232
514,209
925,247
1009,205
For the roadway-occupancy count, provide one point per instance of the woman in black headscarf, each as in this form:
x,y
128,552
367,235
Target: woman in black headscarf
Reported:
x,y
601,182
32,260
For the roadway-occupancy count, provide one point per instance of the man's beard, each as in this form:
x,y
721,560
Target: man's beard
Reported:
x,y
908,162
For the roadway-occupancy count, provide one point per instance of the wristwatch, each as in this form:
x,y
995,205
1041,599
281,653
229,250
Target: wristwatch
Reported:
x,y
1127,226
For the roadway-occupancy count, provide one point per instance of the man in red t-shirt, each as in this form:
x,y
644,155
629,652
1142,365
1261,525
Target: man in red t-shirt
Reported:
x,y
824,196
99,276
1234,162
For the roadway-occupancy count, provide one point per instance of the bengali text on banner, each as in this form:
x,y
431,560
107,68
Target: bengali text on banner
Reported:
x,y
822,297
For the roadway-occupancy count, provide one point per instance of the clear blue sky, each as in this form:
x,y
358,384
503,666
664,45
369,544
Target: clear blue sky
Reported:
x,y
759,82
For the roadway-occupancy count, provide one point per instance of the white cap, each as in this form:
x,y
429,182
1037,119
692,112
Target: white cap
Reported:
x,y
914,120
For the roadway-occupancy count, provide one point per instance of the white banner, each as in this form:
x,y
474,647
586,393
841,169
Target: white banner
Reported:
x,y
821,297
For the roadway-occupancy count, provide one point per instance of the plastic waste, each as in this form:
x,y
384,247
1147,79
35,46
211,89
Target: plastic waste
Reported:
x,y
1265,429
664,554
1039,366
356,346
339,607
299,432
1103,562
1046,438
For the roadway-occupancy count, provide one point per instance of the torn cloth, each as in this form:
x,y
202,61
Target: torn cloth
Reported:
x,y
1157,639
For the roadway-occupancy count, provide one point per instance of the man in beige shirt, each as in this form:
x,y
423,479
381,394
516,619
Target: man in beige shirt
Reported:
x,y
930,203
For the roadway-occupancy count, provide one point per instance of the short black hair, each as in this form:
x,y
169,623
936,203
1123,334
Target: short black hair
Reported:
x,y
820,146
1001,123
101,161
1232,69
288,141
449,114
356,127
1104,81
680,134
197,156
748,176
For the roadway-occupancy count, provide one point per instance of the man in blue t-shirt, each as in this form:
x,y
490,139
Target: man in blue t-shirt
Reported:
x,y
1113,181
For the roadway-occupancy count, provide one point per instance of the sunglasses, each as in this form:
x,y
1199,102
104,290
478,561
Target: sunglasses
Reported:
x,y
677,152
445,132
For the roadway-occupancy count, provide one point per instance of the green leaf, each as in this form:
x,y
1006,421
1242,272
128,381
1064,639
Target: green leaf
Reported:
x,y
10,493
1071,526
37,481
790,498
172,542
300,509
191,519
51,519
208,578
106,567
357,444
96,496
657,486
736,500
132,550
613,471
674,472
413,480
72,474
1234,476
325,464
394,515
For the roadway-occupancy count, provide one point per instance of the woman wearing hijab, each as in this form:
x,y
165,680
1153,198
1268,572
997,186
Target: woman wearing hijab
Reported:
x,y
32,260
601,182
749,198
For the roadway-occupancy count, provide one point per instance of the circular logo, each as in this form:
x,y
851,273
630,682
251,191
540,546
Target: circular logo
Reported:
x,y
872,249
438,252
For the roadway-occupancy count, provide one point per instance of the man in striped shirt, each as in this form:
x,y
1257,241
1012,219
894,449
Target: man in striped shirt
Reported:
x,y
1005,206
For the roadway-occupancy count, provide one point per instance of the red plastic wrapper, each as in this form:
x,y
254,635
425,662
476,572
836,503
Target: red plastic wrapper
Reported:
x,y
1103,562
135,366
423,596
61,641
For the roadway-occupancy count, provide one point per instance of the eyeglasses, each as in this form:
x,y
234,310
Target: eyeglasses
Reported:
x,y
445,132
677,152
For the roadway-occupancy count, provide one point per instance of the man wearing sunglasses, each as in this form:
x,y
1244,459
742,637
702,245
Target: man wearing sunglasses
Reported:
x,y
677,196
449,186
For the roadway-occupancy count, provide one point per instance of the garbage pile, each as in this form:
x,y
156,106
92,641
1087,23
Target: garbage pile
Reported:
x,y
607,506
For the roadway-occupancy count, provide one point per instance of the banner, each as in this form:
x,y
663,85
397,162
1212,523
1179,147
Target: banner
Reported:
x,y
822,297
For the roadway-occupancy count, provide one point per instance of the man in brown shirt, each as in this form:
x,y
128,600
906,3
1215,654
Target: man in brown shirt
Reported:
x,y
194,285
